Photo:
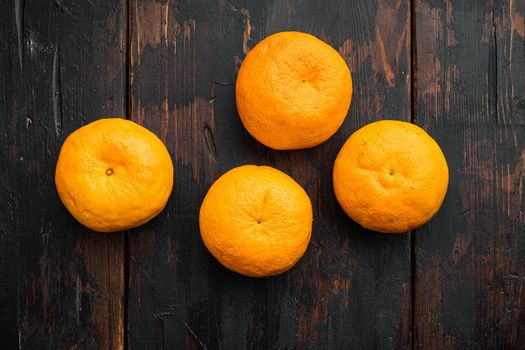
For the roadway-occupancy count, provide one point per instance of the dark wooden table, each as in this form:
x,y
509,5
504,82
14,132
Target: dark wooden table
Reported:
x,y
456,68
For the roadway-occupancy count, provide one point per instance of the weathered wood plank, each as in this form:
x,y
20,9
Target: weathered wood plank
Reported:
x,y
471,258
352,287
62,64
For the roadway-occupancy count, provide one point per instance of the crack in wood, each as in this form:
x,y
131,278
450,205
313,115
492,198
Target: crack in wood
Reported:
x,y
56,92
19,19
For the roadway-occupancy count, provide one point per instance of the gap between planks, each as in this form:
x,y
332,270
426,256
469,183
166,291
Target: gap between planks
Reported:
x,y
413,120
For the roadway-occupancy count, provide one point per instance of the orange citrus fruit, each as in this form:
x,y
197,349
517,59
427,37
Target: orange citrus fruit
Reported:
x,y
256,220
293,91
390,176
113,175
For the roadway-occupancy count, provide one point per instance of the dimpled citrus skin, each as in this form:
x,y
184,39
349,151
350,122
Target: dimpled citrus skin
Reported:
x,y
256,220
293,91
390,176
113,175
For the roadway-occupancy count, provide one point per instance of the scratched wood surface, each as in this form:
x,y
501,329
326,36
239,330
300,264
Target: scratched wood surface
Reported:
x,y
470,260
456,68
62,65
351,288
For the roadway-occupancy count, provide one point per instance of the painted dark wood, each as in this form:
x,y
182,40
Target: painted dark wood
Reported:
x,y
456,283
62,64
470,260
351,289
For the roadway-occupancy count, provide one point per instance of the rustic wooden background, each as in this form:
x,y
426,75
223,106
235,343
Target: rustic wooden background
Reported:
x,y
456,68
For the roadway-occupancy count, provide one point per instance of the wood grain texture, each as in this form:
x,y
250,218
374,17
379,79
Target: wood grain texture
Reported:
x,y
456,283
470,259
61,66
351,289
